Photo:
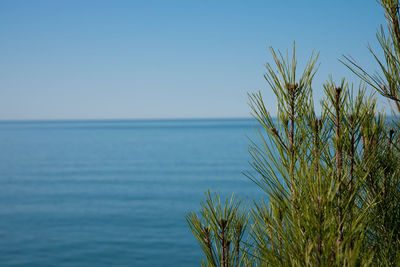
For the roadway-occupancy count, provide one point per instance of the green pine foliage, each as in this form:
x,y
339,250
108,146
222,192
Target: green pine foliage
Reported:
x,y
219,229
331,180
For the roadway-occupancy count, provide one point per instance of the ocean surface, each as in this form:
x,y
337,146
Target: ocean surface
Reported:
x,y
114,193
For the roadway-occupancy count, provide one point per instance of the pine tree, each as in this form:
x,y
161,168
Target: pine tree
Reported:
x,y
331,180
219,230
384,181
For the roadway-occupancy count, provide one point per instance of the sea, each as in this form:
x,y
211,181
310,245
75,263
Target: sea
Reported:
x,y
114,193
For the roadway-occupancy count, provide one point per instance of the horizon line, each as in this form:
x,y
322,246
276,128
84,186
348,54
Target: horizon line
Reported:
x,y
124,119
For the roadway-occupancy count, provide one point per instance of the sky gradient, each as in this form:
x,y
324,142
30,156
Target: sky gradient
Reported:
x,y
166,59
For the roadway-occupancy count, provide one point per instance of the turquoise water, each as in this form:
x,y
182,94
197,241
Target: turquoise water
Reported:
x,y
113,193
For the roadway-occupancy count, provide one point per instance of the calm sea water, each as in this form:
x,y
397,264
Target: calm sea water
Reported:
x,y
113,193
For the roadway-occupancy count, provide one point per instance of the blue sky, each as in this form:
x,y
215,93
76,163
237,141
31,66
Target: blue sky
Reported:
x,y
166,59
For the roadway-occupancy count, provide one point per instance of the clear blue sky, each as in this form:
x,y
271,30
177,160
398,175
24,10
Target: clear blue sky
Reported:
x,y
165,59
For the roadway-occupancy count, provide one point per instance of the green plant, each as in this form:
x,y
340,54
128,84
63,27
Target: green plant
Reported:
x,y
331,180
220,229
